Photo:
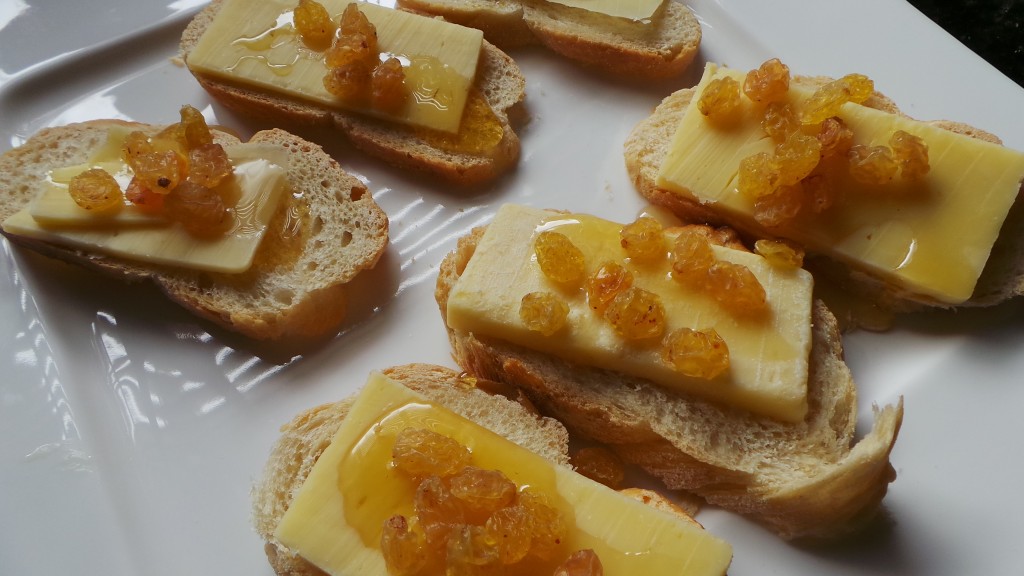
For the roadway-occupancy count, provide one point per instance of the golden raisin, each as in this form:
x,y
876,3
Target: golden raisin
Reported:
x,y
96,190
194,128
818,193
605,283
581,563
208,165
161,172
313,24
828,99
482,492
692,256
419,452
835,138
437,511
758,175
696,353
779,121
136,144
736,288
356,41
143,197
387,85
720,99
858,86
547,526
511,530
873,165
468,547
200,210
912,154
779,253
796,157
768,83
403,549
350,82
543,312
636,314
643,239
600,465
559,259
780,206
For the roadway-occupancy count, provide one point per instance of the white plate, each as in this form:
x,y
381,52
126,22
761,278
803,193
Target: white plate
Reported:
x,y
130,434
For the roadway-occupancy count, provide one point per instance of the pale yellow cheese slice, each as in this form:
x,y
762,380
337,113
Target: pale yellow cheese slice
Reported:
x,y
259,184
768,355
631,9
932,238
335,519
255,43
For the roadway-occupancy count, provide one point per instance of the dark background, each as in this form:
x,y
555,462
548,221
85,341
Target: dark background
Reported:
x,y
993,29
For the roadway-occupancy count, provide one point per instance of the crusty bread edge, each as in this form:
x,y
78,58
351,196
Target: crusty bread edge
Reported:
x,y
840,500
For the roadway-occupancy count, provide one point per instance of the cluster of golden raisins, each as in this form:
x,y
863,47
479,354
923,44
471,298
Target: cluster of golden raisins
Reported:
x,y
175,173
638,315
811,144
355,72
468,520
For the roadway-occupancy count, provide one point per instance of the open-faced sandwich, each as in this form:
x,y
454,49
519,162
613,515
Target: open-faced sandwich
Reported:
x,y
709,366
908,213
260,237
425,473
418,92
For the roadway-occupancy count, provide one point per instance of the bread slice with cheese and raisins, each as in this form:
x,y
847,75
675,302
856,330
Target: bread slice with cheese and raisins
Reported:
x,y
808,479
296,286
498,82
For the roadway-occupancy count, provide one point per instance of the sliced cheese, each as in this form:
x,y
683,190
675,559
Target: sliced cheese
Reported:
x,y
932,238
259,184
631,9
255,44
768,373
335,519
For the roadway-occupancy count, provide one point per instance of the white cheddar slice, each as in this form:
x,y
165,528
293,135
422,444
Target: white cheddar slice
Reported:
x,y
335,518
769,355
259,184
255,43
932,237
631,9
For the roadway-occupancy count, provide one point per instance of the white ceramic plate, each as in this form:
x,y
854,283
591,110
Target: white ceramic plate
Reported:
x,y
130,433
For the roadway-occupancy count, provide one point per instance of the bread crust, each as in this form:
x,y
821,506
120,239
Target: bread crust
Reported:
x,y
498,79
804,480
648,144
659,49
295,289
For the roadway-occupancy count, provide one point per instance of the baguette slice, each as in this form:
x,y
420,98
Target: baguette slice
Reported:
x,y
296,286
648,144
804,480
308,435
659,49
497,78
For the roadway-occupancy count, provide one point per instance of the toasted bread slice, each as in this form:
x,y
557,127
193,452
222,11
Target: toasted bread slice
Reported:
x,y
648,144
661,48
309,433
802,480
498,79
296,286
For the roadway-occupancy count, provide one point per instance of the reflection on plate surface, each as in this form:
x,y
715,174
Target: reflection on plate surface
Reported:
x,y
132,432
